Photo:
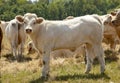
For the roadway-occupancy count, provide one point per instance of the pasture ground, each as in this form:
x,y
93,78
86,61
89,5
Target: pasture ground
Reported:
x,y
62,70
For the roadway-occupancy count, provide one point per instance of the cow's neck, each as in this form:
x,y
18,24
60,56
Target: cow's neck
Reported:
x,y
36,37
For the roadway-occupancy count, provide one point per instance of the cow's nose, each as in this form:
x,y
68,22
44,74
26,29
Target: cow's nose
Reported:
x,y
28,30
113,22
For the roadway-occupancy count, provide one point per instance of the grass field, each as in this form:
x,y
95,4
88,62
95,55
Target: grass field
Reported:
x,y
63,70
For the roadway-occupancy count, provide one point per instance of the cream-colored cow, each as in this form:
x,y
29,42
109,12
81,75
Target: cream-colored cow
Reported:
x,y
3,25
48,36
116,21
110,34
15,33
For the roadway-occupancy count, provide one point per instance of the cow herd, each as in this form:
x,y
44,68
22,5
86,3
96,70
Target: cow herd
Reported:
x,y
70,33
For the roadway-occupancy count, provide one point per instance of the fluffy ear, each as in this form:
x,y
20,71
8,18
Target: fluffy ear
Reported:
x,y
39,20
113,13
19,18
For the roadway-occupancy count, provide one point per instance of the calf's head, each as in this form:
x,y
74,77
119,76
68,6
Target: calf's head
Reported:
x,y
30,25
107,19
116,19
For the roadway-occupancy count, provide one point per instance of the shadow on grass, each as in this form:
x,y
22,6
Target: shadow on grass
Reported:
x,y
74,77
110,56
82,76
11,58
107,60
39,80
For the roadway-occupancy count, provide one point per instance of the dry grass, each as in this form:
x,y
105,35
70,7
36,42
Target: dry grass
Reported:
x,y
63,70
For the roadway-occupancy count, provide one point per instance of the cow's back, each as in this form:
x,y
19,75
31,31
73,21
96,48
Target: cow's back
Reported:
x,y
74,32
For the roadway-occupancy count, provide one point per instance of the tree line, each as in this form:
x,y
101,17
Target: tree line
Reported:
x,y
55,9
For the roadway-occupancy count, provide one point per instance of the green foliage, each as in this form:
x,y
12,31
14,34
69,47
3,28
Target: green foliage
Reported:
x,y
55,9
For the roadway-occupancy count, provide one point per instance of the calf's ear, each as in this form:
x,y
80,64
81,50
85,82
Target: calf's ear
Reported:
x,y
19,18
39,20
113,13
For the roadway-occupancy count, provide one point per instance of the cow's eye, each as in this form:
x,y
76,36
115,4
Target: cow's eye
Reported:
x,y
13,24
25,22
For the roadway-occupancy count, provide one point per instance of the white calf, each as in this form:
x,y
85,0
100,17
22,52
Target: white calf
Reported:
x,y
70,34
16,35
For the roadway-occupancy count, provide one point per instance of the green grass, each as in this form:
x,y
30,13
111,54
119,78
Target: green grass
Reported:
x,y
67,73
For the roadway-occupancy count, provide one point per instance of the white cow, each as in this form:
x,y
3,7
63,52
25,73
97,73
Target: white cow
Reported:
x,y
16,35
3,25
110,34
48,36
28,17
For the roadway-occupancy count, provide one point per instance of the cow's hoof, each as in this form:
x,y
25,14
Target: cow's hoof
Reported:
x,y
45,77
19,59
86,72
102,73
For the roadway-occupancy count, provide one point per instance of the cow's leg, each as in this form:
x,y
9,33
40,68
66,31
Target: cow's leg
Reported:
x,y
46,61
89,57
14,50
100,55
85,59
0,45
20,50
85,56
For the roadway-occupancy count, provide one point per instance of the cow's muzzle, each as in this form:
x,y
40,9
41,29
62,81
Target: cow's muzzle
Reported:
x,y
28,31
113,22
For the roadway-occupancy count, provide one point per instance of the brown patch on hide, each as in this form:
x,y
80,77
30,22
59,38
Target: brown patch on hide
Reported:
x,y
19,26
19,37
